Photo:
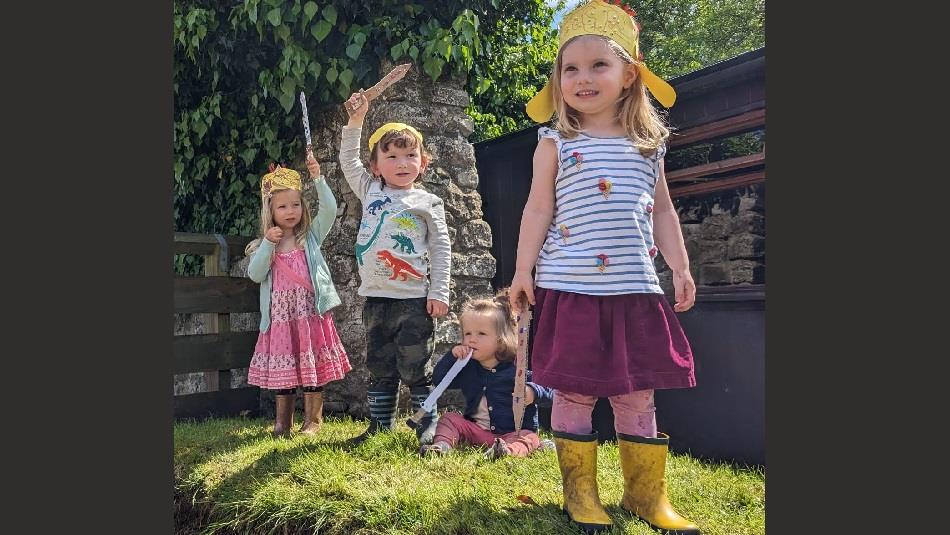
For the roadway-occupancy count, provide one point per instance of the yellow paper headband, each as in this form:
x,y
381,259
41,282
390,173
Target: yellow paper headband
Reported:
x,y
280,178
391,127
597,17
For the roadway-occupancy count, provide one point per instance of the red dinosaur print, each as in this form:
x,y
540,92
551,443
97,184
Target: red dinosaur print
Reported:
x,y
401,268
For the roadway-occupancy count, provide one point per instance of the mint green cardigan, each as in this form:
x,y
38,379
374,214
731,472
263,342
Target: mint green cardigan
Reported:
x,y
259,267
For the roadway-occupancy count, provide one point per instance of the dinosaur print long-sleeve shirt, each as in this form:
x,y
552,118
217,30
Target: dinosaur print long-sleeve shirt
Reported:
x,y
402,247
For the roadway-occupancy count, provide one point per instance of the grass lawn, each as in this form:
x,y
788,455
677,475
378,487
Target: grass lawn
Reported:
x,y
231,476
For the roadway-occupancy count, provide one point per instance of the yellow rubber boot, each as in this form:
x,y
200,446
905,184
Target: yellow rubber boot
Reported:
x,y
577,457
644,485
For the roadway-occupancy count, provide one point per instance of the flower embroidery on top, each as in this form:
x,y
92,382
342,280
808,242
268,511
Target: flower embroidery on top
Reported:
x,y
576,159
604,186
602,262
653,251
563,233
649,207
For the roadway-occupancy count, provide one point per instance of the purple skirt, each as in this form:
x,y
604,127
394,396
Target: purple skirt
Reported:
x,y
608,345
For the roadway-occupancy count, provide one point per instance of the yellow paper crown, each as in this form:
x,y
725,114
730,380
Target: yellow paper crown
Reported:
x,y
280,178
391,127
597,17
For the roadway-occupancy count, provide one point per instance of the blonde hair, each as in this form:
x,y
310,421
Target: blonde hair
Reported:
x,y
499,309
640,121
267,221
402,139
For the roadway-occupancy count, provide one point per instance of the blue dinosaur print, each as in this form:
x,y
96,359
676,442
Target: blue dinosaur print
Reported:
x,y
377,204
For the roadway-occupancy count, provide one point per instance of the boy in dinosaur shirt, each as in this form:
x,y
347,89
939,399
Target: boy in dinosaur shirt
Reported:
x,y
404,256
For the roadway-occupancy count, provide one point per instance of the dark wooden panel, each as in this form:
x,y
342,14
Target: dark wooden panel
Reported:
x,y
216,294
205,244
209,352
718,184
707,132
722,166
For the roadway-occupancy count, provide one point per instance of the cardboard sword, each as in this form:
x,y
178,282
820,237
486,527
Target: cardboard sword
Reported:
x,y
429,402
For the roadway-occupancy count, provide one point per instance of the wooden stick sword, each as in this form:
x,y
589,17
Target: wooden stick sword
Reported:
x,y
521,367
394,76
433,396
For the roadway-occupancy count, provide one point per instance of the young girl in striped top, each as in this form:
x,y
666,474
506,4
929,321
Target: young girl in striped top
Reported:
x,y
598,212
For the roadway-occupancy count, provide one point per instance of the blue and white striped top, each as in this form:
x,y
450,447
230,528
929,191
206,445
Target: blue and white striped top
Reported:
x,y
601,237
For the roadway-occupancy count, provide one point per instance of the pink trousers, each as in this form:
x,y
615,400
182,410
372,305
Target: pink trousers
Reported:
x,y
634,413
454,429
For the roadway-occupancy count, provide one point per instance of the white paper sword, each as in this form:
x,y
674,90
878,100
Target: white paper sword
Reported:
x,y
306,120
429,402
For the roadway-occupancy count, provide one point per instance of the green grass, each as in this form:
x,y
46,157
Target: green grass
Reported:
x,y
231,476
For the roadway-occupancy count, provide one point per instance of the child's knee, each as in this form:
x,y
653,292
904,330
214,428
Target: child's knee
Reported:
x,y
451,418
640,401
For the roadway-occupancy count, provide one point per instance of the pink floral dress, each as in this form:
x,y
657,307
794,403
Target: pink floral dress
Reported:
x,y
301,347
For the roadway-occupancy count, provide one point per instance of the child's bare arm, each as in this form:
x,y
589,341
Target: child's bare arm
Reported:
x,y
669,239
535,220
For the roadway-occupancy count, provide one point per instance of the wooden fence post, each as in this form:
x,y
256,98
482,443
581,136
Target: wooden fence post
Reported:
x,y
216,265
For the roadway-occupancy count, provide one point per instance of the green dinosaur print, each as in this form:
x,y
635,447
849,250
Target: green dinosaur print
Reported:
x,y
403,243
363,247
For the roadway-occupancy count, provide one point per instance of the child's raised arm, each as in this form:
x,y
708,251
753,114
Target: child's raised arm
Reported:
x,y
535,220
356,176
326,202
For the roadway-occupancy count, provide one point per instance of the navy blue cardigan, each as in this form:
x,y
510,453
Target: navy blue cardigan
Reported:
x,y
497,385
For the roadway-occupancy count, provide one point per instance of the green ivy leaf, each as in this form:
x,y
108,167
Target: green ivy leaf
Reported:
x,y
329,13
200,128
346,77
396,51
332,74
309,10
315,69
445,48
273,16
353,51
179,169
320,30
288,85
252,14
414,52
286,101
283,31
433,67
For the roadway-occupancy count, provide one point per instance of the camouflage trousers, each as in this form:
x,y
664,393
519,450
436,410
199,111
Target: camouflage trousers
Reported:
x,y
400,339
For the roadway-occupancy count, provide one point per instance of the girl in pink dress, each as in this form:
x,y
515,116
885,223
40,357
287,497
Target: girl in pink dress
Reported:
x,y
298,344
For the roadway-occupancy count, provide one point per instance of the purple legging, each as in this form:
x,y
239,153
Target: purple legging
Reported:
x,y
634,413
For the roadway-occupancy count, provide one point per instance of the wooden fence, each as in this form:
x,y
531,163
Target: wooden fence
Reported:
x,y
215,295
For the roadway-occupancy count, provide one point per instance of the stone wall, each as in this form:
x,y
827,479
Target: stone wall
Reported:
x,y
437,111
725,237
